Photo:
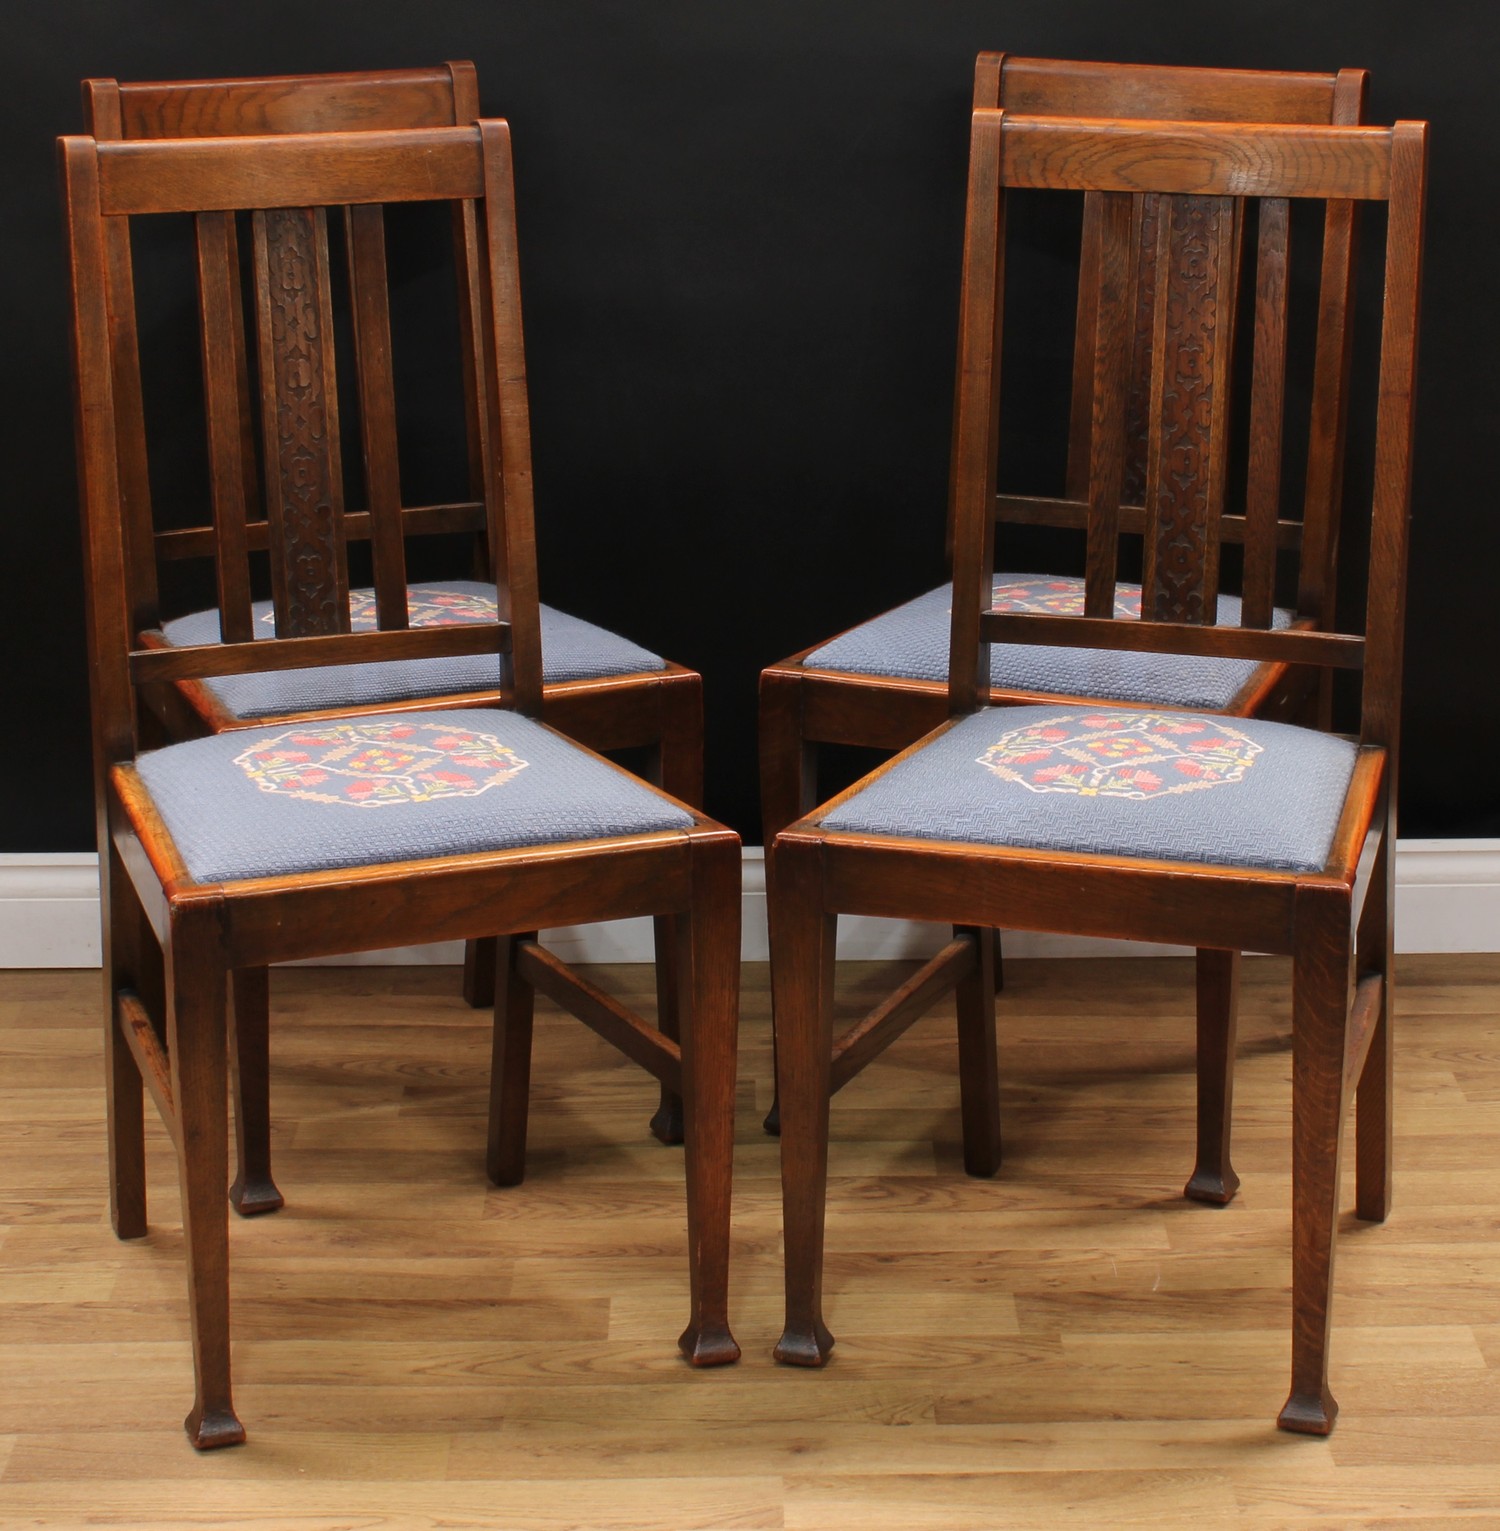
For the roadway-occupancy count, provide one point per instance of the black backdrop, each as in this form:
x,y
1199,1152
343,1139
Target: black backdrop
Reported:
x,y
740,230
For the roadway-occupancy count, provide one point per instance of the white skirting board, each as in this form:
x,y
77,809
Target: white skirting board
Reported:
x,y
1447,900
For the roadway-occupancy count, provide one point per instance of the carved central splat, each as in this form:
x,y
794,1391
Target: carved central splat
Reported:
x,y
1189,398
304,476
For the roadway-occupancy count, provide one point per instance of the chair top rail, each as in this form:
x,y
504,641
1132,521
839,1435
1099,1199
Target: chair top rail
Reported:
x,y
178,175
1063,87
1196,159
371,100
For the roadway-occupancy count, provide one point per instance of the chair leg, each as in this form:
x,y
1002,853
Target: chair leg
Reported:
x,y
978,1069
510,1067
676,766
1373,1098
479,972
788,789
708,978
1320,1009
667,1124
1213,1179
253,1191
124,1091
802,945
197,1048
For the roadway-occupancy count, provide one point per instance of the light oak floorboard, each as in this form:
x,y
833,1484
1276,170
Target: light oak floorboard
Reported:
x,y
1069,1344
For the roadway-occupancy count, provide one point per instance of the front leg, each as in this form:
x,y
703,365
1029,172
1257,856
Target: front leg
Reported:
x,y
197,1048
709,971
1320,1013
802,951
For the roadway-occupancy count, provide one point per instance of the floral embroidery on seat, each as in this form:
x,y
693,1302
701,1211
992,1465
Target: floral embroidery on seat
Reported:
x,y
1058,595
426,606
1055,595
1122,754
374,765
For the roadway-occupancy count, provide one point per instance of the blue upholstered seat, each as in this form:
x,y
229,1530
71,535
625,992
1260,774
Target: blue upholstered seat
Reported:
x,y
911,642
572,649
1120,781
349,792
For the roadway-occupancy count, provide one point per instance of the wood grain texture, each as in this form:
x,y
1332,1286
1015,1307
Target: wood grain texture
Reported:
x,y
1187,454
300,424
299,170
1211,160
1118,1351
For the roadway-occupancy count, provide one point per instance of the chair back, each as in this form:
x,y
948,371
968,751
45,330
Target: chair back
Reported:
x,y
1067,88
280,313
1209,178
377,100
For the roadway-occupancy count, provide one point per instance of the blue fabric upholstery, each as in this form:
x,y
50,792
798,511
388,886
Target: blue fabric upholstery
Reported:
x,y
572,649
348,792
1118,781
911,642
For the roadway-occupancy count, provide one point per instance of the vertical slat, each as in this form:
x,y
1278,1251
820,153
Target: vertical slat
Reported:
x,y
508,496
1189,407
1267,404
304,477
1333,360
989,74
980,331
1389,530
222,380
247,400
1110,380
377,409
1085,339
1138,394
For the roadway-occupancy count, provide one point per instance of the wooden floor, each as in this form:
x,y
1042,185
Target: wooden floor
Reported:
x,y
1071,1344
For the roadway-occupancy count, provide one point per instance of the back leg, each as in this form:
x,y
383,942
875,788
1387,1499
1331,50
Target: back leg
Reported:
x,y
253,1190
1213,1179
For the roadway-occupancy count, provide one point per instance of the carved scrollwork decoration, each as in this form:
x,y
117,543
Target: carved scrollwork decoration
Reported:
x,y
304,477
1184,491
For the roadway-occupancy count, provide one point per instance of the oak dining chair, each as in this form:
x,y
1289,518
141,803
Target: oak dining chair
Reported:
x,y
311,836
883,683
597,686
1130,818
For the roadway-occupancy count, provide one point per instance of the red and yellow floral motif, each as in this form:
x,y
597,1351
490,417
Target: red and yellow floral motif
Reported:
x,y
1122,754
1057,595
426,606
374,765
